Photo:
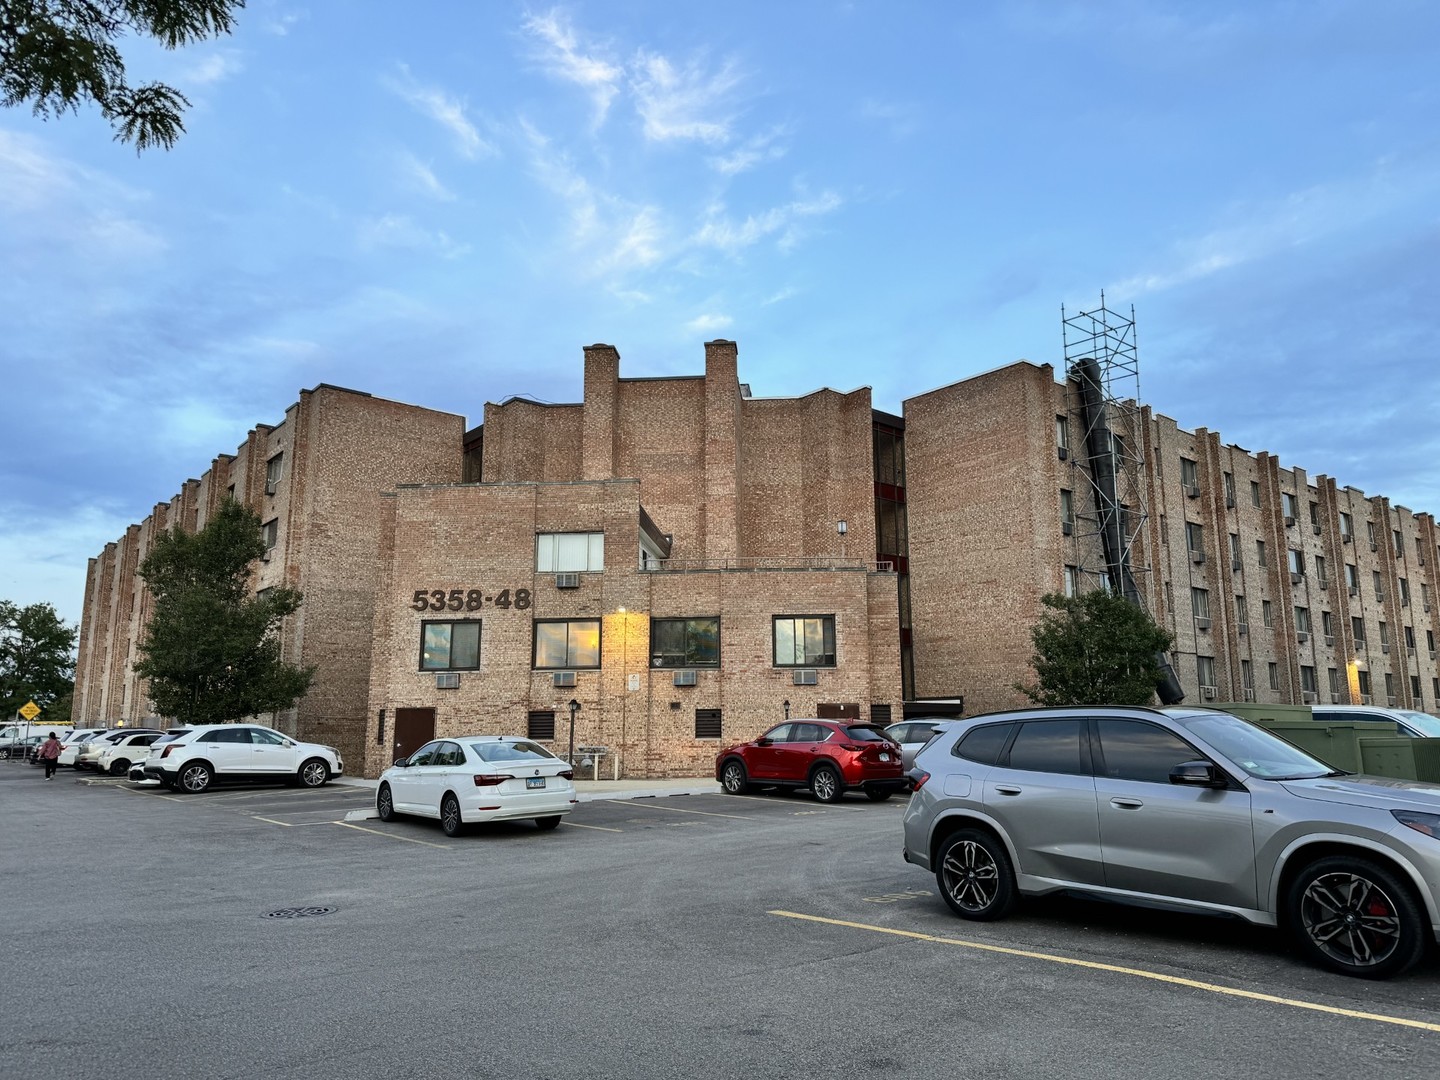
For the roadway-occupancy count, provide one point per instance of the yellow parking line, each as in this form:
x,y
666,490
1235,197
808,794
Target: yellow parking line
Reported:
x,y
677,810
1140,973
597,828
392,836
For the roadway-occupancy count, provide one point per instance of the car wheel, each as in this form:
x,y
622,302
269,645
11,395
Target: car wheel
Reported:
x,y
119,768
825,784
733,778
878,794
194,777
1356,917
450,822
385,803
314,773
547,823
974,875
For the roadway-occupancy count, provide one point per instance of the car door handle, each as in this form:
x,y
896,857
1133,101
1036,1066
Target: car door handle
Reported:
x,y
1006,789
1126,804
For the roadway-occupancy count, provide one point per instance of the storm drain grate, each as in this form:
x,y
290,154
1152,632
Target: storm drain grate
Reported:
x,y
298,912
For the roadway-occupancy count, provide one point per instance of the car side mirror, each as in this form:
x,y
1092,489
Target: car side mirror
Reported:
x,y
400,761
1197,774
762,741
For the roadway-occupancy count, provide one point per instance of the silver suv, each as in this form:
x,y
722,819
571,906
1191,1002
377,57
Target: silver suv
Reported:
x,y
1184,809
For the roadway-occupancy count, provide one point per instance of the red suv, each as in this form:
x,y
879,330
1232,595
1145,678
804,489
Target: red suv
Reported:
x,y
827,756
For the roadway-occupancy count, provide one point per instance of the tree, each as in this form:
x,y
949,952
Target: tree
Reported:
x,y
59,53
211,650
1095,649
37,660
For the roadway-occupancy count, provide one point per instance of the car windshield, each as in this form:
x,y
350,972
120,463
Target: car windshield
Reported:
x,y
1261,754
867,733
170,737
1428,726
510,751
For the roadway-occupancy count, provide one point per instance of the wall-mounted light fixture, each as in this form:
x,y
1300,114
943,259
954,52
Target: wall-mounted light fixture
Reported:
x,y
842,528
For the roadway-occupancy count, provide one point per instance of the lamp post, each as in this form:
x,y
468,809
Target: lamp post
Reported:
x,y
574,708
787,708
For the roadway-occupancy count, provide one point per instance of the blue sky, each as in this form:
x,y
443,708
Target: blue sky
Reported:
x,y
442,203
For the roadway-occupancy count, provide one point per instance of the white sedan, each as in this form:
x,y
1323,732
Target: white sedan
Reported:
x,y
478,778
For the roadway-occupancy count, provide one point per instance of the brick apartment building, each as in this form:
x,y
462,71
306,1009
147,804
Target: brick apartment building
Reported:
x,y
685,562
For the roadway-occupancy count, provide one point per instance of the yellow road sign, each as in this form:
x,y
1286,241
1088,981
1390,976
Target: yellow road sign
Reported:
x,y
30,710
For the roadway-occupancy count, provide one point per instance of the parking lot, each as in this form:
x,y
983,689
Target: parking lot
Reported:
x,y
707,935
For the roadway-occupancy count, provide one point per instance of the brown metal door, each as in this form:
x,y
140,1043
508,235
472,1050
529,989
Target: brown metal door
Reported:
x,y
838,710
413,729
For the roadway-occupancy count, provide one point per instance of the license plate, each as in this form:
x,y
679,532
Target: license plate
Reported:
x,y
884,757
535,781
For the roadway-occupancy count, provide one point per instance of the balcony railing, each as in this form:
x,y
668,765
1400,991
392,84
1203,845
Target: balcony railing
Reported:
x,y
778,562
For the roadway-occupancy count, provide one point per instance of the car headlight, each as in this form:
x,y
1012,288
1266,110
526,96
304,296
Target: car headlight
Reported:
x,y
1429,824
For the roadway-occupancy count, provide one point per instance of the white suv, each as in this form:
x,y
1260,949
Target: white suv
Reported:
x,y
190,759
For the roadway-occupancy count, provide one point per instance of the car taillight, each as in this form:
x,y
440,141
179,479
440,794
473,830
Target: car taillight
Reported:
x,y
493,780
918,778
852,748
568,774
166,752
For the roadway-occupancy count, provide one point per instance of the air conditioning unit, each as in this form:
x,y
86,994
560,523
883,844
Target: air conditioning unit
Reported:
x,y
447,680
1385,647
265,555
1390,701
1289,522
1193,491
1316,529
1229,502
270,486
1432,654
1235,564
1334,699
1249,693
1067,527
1197,557
1404,601
1324,584
1244,629
1308,697
1202,624
685,678
1346,538
567,581
1427,607
1208,693
1329,640
806,677
1374,546
1364,699
1354,590
563,678
1302,637
1295,579
1063,451
1410,649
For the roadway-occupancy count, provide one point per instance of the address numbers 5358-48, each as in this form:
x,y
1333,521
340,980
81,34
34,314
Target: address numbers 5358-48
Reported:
x,y
468,599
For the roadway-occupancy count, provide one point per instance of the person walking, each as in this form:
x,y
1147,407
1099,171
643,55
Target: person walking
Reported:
x,y
50,755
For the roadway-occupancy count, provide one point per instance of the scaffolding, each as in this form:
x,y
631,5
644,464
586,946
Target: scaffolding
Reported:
x,y
1105,536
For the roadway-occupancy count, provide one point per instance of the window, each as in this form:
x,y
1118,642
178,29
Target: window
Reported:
x,y
1297,561
1320,571
1415,691
450,646
1241,615
230,493
271,532
1430,640
707,723
1357,629
891,534
1247,675
983,744
1315,514
1267,613
1364,680
1235,547
1307,679
1327,624
1205,670
685,642
1051,746
1072,581
1404,592
540,725
1379,589
1352,576
1292,510
1164,531
1229,481
1274,675
1195,536
889,457
1302,620
1133,750
1389,684
1062,432
1399,543
1410,638
564,553
1260,551
804,640
1370,531
1189,473
1254,493
1200,603
1384,634
272,473
1067,506
1347,526
1335,681
1425,595
561,643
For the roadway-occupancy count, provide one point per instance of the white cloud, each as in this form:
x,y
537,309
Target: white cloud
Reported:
x,y
781,296
280,22
718,231
704,324
399,231
757,149
683,103
418,176
903,120
565,58
214,68
444,109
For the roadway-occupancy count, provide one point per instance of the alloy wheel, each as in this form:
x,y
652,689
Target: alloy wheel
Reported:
x,y
1350,919
971,877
